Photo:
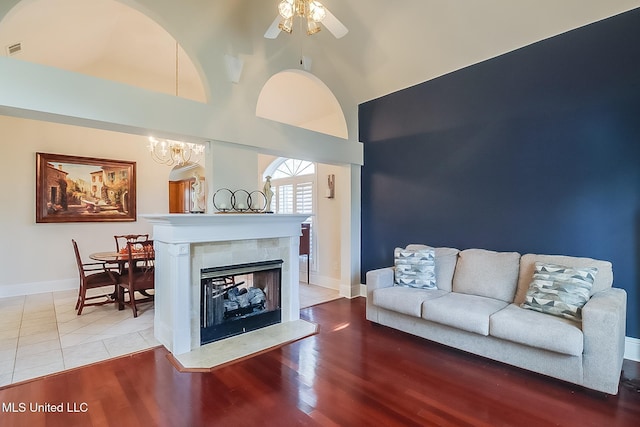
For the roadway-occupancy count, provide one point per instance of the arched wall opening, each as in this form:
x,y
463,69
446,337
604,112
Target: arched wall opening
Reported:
x,y
324,266
299,98
182,179
102,38
294,184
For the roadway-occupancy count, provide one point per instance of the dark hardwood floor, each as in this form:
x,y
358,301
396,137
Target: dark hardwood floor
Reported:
x,y
353,373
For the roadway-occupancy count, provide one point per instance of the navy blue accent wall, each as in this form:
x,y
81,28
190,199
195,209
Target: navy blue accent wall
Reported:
x,y
535,151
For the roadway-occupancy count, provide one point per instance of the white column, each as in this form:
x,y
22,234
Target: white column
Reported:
x,y
172,323
290,292
350,262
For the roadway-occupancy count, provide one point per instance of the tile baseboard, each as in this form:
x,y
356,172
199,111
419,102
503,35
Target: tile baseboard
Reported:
x,y
31,288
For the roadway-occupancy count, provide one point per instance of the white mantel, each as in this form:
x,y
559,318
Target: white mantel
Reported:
x,y
181,228
183,241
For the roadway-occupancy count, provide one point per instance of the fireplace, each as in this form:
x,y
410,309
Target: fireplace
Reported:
x,y
185,245
239,298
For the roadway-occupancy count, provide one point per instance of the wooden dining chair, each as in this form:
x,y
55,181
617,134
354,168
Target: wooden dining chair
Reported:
x,y
123,239
94,275
121,245
139,277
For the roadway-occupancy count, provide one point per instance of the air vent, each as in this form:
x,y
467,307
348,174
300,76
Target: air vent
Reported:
x,y
14,49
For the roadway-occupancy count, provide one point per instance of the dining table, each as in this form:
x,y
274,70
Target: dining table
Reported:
x,y
119,258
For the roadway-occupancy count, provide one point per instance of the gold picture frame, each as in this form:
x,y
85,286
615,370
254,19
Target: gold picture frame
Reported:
x,y
84,189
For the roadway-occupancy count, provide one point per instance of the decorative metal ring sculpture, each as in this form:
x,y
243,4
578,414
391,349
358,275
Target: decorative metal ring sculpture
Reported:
x,y
221,205
241,201
257,201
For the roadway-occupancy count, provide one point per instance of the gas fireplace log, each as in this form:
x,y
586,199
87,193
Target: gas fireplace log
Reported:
x,y
223,291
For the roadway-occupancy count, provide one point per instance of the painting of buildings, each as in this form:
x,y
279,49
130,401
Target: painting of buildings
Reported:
x,y
75,189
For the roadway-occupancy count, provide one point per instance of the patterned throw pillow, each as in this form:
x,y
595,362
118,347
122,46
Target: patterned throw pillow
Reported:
x,y
559,290
415,268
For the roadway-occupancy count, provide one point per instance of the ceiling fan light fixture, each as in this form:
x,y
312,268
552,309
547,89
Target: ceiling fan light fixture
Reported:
x,y
286,8
311,11
317,12
300,7
312,26
286,25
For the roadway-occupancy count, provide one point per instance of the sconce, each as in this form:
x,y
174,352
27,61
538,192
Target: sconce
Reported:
x,y
331,186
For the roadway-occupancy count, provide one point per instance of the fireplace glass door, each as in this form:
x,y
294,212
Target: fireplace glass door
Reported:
x,y
239,298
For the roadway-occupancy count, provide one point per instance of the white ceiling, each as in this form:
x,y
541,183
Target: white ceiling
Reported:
x,y
391,44
99,37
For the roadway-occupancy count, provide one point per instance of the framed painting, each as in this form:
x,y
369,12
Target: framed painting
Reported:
x,y
84,189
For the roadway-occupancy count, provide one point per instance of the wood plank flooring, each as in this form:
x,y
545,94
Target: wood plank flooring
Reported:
x,y
353,373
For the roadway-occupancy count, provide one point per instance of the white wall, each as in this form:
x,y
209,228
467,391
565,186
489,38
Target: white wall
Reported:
x,y
328,233
39,257
187,88
231,167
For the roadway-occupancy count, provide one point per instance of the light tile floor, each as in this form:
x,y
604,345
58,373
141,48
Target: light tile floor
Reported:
x,y
312,295
42,334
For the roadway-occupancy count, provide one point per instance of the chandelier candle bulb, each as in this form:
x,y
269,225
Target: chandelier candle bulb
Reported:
x,y
174,152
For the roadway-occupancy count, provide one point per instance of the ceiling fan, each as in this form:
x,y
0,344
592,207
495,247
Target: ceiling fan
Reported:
x,y
311,11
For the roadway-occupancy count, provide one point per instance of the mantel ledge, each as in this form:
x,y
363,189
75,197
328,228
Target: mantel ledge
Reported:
x,y
195,228
178,220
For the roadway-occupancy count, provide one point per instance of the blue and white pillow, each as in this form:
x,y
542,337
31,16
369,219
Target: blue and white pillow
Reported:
x,y
559,290
415,268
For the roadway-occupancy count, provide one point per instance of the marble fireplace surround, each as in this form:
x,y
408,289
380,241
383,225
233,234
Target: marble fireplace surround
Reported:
x,y
185,243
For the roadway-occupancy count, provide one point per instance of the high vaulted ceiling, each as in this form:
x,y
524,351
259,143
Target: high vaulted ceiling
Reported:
x,y
391,44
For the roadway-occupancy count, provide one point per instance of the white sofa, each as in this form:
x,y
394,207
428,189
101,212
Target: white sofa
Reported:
x,y
476,308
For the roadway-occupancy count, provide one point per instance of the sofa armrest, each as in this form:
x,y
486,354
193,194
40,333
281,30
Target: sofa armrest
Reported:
x,y
380,278
604,327
377,279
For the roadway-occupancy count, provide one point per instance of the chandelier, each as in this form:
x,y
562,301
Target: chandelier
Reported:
x,y
168,152
311,10
171,153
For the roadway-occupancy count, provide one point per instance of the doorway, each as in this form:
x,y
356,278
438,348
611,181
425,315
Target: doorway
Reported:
x,y
181,187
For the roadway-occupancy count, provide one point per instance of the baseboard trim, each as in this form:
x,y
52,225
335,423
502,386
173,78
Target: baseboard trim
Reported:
x,y
632,349
319,280
32,288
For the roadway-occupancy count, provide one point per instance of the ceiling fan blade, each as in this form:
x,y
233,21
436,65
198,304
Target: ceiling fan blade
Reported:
x,y
273,31
332,24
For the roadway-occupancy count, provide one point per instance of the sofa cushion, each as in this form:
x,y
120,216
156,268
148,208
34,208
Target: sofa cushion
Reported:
x,y
404,300
446,259
468,312
415,268
603,280
487,273
559,290
537,330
